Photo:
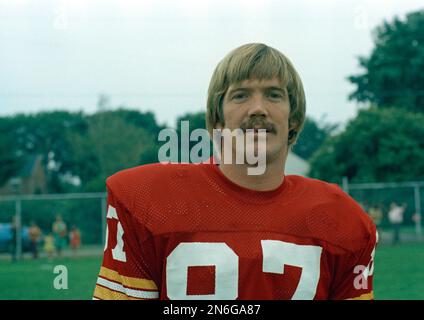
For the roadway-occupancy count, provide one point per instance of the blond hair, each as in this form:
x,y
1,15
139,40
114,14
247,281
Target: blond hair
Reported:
x,y
256,61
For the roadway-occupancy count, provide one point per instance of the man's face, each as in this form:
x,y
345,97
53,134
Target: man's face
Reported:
x,y
259,104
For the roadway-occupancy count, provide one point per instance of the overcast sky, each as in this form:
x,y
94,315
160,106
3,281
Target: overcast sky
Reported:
x,y
159,55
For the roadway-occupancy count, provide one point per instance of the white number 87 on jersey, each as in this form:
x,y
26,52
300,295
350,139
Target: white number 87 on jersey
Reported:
x,y
276,255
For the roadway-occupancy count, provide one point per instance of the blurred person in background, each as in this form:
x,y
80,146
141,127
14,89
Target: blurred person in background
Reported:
x,y
60,234
75,240
49,247
34,236
396,218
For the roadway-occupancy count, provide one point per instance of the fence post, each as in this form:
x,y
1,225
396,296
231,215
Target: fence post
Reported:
x,y
418,211
18,222
345,184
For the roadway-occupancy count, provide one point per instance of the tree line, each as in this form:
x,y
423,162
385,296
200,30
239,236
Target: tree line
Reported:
x,y
385,141
80,151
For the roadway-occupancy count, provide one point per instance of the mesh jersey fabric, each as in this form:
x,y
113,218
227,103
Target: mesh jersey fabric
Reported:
x,y
188,232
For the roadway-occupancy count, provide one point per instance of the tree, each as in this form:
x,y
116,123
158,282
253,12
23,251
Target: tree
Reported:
x,y
379,145
110,144
394,72
312,137
75,146
42,134
196,120
11,159
147,121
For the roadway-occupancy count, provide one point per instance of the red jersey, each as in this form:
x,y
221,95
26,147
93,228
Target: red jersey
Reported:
x,y
185,231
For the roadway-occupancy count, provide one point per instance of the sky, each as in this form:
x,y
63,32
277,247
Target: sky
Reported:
x,y
159,55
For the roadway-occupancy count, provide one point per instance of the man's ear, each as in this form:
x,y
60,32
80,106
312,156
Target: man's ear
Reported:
x,y
292,133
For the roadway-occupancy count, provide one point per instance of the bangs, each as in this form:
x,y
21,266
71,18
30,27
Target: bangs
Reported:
x,y
262,64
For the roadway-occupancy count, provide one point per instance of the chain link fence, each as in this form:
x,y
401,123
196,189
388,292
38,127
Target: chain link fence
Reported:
x,y
382,195
85,211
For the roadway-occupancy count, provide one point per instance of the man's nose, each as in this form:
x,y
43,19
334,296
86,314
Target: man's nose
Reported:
x,y
257,107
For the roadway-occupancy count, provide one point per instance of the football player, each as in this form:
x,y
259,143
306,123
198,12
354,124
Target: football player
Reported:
x,y
213,231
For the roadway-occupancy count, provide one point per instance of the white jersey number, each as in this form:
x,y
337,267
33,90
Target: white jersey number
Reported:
x,y
276,254
190,254
118,252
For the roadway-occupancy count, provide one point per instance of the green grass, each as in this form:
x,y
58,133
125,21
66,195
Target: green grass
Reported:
x,y
30,279
398,274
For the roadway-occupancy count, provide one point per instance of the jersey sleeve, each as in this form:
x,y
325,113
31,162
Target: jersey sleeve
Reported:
x,y
355,279
127,270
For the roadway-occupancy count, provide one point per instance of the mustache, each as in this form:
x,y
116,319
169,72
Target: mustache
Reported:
x,y
258,121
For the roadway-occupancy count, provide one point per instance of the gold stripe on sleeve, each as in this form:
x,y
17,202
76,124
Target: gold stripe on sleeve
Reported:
x,y
137,283
365,296
107,294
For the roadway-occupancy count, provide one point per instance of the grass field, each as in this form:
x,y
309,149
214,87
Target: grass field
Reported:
x,y
399,274
34,279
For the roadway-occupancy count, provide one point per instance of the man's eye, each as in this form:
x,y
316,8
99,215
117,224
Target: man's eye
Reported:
x,y
276,96
239,96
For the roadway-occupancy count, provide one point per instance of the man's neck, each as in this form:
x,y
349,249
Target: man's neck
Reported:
x,y
271,179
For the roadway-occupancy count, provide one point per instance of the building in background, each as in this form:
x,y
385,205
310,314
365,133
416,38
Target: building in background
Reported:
x,y
296,165
31,179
